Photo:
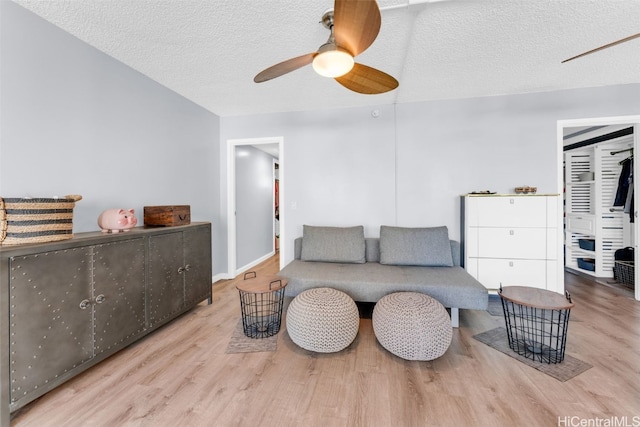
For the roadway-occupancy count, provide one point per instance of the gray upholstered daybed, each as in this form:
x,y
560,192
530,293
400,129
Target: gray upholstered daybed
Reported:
x,y
401,259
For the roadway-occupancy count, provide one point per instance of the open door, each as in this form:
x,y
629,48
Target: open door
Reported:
x,y
232,241
590,157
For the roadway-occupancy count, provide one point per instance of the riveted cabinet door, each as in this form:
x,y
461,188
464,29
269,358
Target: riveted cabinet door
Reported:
x,y
165,287
118,294
71,304
50,318
197,258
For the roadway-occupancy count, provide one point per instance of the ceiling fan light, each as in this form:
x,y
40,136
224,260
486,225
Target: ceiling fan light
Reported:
x,y
333,62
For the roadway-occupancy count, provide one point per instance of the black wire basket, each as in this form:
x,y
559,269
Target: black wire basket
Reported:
x,y
262,307
536,333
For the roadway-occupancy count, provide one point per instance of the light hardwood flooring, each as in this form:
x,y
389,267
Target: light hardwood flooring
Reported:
x,y
181,376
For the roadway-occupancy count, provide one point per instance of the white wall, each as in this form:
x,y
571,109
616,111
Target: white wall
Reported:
x,y
337,167
409,166
448,148
75,121
254,205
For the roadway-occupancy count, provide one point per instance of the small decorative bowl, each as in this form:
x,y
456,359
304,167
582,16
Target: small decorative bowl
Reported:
x,y
526,190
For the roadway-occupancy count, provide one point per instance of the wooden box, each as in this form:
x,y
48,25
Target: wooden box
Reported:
x,y
167,215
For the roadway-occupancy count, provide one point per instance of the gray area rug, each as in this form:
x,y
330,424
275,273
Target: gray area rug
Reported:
x,y
567,369
240,343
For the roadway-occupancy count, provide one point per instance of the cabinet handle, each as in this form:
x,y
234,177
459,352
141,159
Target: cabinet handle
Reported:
x,y
181,270
100,299
187,267
84,304
511,233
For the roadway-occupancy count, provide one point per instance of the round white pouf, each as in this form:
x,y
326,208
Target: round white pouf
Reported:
x,y
412,325
323,320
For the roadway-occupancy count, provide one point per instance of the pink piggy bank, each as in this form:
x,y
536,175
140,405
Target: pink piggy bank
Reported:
x,y
117,220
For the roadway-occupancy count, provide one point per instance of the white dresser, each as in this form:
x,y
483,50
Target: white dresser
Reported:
x,y
514,240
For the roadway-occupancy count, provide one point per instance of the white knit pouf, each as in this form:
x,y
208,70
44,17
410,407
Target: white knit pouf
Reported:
x,y
323,320
412,325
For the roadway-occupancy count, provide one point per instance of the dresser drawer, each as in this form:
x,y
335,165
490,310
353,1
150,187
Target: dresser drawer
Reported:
x,y
510,272
507,211
524,243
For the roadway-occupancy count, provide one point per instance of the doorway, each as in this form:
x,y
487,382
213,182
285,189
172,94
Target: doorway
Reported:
x,y
275,147
586,214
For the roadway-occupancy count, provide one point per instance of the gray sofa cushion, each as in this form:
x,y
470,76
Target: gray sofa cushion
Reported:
x,y
372,250
452,286
427,247
333,244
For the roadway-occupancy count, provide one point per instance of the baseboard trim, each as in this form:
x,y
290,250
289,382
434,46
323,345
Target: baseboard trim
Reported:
x,y
254,263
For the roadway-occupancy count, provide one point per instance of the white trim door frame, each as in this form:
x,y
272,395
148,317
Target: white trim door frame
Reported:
x,y
603,121
275,162
231,195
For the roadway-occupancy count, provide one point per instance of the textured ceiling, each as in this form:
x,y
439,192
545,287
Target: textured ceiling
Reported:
x,y
210,50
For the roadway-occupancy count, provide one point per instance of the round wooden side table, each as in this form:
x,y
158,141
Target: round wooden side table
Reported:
x,y
261,301
536,322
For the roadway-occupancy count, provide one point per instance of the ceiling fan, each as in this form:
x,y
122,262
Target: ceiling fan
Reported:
x,y
354,25
626,39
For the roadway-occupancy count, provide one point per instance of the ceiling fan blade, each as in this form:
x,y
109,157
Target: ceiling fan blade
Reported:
x,y
284,67
356,24
626,39
367,80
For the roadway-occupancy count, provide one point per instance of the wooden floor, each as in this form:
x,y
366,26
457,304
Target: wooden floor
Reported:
x,y
181,376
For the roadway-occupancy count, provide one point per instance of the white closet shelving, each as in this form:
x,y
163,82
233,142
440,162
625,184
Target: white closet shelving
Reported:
x,y
589,212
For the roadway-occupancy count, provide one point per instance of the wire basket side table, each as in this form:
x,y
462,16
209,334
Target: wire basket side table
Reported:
x,y
536,322
261,302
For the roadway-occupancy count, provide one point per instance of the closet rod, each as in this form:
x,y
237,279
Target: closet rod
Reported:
x,y
620,151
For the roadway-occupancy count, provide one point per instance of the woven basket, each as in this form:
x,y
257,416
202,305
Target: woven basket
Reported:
x,y
36,220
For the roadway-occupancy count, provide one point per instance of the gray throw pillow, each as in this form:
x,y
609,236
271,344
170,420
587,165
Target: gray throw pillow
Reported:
x,y
333,244
428,247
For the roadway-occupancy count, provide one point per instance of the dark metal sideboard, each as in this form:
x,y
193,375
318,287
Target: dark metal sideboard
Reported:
x,y
65,306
